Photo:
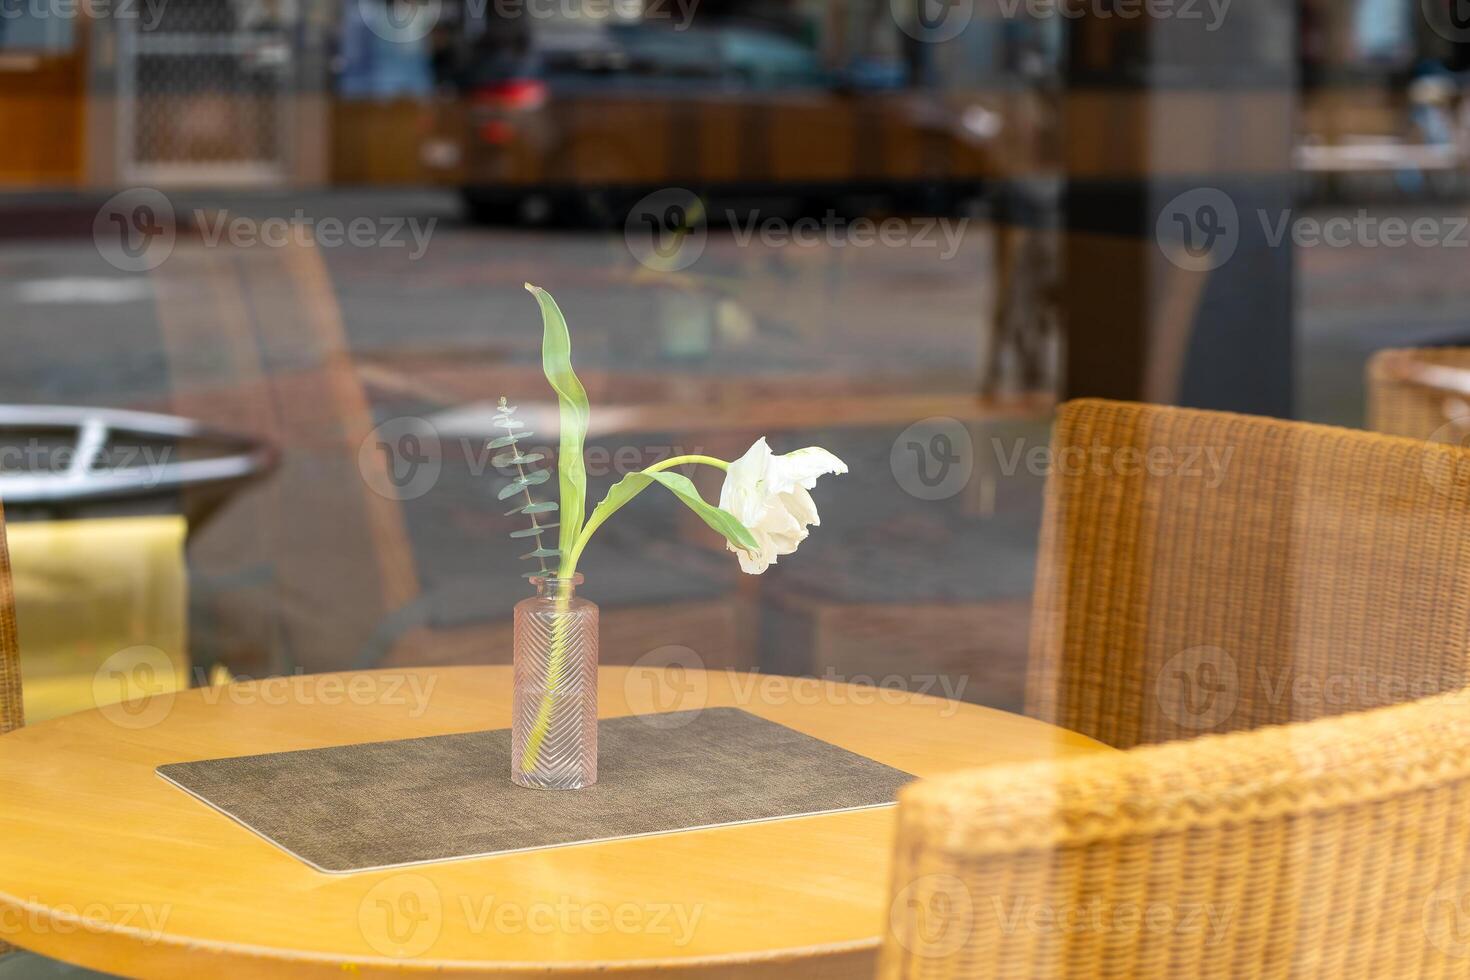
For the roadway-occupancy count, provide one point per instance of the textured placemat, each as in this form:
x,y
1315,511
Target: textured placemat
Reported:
x,y
386,804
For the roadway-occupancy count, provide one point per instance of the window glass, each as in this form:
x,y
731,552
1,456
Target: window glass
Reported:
x,y
28,27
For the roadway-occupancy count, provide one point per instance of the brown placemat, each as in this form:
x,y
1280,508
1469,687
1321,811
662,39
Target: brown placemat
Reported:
x,y
386,804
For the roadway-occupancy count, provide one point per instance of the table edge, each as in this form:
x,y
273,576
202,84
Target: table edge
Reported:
x,y
55,944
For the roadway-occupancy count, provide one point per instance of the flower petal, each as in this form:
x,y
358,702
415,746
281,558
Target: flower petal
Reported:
x,y
784,528
799,504
742,493
802,467
753,563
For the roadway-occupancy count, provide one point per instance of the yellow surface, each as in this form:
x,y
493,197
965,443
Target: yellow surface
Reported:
x,y
105,864
101,607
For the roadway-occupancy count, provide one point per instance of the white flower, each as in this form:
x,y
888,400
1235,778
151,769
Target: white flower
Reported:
x,y
768,494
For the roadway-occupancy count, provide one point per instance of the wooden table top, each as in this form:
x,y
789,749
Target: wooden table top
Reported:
x,y
105,864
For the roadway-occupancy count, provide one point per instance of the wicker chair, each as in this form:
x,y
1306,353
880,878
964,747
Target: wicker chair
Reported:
x,y
1419,392
12,711
1300,571
1338,848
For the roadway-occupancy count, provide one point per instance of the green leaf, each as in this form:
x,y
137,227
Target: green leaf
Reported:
x,y
542,553
522,482
503,441
506,422
514,459
531,532
556,361
633,484
540,507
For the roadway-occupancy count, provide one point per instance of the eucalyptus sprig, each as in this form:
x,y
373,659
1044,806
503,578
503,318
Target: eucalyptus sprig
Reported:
x,y
506,419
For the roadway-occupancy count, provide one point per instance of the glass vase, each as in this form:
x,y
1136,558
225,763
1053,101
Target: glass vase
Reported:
x,y
553,728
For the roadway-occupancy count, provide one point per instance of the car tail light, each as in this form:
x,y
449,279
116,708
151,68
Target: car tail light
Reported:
x,y
497,132
515,93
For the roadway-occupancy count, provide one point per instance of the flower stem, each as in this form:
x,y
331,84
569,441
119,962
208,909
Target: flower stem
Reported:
x,y
569,562
556,667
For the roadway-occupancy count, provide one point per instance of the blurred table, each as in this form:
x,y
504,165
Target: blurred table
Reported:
x,y
104,864
102,610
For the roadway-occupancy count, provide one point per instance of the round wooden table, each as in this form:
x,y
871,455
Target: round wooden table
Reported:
x,y
105,864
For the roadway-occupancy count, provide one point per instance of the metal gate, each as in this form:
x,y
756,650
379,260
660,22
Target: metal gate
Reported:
x,y
204,92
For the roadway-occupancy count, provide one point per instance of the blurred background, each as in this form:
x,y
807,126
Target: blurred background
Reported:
x,y
261,267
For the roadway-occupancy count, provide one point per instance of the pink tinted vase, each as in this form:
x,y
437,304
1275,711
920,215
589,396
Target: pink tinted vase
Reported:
x,y
554,711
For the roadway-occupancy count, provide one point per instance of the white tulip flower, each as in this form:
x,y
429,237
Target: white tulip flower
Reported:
x,y
768,494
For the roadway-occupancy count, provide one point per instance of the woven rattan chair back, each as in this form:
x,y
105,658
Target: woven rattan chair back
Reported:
x,y
1421,393
1203,572
12,714
12,711
1338,848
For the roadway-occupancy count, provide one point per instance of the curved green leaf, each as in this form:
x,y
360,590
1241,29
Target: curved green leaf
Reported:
x,y
633,484
556,361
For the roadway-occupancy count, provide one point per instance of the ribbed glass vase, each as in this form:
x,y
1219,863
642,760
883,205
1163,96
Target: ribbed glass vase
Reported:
x,y
553,729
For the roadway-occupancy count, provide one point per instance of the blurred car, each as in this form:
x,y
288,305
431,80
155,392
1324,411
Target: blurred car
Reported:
x,y
585,122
